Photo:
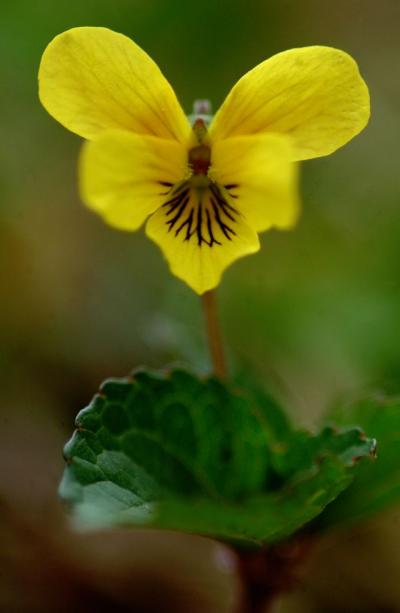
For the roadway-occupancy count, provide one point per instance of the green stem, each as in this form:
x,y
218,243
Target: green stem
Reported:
x,y
209,304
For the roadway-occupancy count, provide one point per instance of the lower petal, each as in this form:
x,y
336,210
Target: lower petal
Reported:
x,y
200,239
258,174
125,177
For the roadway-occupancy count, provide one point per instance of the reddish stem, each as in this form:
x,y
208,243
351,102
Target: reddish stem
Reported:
x,y
270,572
214,333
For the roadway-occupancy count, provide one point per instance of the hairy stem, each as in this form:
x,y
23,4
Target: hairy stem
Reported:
x,y
214,333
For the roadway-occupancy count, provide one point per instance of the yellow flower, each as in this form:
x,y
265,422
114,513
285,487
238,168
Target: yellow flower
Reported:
x,y
206,191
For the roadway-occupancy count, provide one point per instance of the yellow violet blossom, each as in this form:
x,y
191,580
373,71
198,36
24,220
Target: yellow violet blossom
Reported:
x,y
206,191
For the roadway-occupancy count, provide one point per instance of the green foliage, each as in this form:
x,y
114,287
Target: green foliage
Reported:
x,y
378,486
174,451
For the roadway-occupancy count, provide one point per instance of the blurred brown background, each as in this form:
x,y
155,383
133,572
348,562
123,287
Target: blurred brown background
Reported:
x,y
315,313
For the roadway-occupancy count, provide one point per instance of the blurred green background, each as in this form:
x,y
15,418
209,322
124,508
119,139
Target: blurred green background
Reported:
x,y
315,313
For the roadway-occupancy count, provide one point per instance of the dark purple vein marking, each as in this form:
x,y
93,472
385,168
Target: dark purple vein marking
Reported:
x,y
201,218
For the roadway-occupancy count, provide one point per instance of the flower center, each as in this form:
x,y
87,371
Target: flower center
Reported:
x,y
199,156
200,159
198,210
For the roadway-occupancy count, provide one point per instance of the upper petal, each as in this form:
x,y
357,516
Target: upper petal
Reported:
x,y
91,79
125,177
314,94
258,173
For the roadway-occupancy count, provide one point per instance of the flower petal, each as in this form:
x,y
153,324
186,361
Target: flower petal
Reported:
x,y
91,79
259,175
125,177
314,94
200,238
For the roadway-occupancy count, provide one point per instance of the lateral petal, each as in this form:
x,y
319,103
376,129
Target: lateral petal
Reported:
x,y
125,177
258,174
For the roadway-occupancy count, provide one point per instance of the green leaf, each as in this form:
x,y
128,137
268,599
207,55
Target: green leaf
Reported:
x,y
174,451
375,486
